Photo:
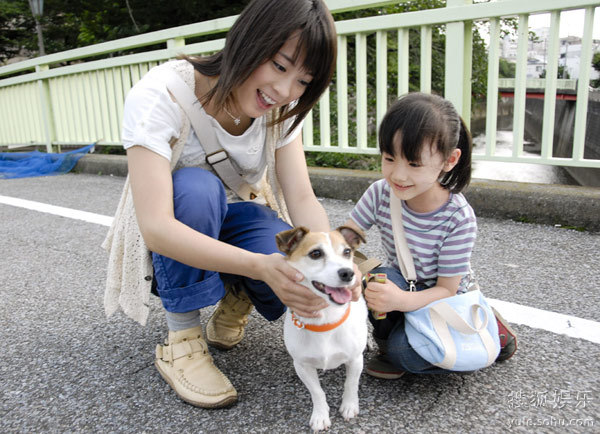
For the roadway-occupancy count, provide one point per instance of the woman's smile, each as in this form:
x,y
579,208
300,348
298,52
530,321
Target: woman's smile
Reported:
x,y
265,102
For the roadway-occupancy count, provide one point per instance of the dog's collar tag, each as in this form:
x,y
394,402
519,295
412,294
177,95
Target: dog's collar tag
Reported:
x,y
297,321
320,327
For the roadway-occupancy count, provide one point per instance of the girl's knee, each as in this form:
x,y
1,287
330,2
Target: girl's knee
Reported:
x,y
404,356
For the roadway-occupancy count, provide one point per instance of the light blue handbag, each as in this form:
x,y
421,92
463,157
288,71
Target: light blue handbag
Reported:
x,y
458,333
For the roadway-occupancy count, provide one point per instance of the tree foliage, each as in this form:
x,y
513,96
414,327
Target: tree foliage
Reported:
x,y
17,28
71,24
596,65
561,72
507,69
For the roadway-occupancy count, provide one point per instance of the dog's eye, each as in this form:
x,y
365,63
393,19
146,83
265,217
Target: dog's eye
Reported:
x,y
315,254
347,252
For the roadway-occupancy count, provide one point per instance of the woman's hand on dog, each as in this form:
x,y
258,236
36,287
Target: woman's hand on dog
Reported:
x,y
283,280
357,290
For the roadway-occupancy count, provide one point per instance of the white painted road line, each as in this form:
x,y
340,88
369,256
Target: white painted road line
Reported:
x,y
551,321
58,210
515,313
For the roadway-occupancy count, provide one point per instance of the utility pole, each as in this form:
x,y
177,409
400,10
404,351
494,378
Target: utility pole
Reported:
x,y
564,74
37,9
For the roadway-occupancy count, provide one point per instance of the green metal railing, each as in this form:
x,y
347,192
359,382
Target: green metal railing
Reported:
x,y
48,104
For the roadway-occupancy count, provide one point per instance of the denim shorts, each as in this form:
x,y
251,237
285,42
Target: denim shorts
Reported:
x,y
200,202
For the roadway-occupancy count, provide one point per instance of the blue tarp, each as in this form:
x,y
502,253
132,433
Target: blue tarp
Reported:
x,y
29,164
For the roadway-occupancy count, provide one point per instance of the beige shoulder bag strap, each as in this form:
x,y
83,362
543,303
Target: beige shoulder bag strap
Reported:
x,y
216,156
407,265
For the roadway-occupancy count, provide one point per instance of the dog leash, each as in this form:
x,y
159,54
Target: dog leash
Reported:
x,y
320,327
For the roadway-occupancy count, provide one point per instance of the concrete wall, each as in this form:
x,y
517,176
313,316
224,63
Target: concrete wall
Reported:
x,y
563,205
540,203
564,122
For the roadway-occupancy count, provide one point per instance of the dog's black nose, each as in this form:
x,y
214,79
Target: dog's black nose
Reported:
x,y
346,274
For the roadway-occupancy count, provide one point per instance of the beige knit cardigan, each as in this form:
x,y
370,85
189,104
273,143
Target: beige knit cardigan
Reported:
x,y
130,272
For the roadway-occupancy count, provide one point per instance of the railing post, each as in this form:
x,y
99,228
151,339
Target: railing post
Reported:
x,y
583,86
174,44
47,113
381,76
492,88
342,92
550,87
324,120
361,91
403,61
458,63
425,67
520,97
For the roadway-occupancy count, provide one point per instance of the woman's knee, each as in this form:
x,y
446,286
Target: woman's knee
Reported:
x,y
196,183
253,212
252,227
198,196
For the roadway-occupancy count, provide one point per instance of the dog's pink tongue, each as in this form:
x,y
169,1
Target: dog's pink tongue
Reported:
x,y
339,295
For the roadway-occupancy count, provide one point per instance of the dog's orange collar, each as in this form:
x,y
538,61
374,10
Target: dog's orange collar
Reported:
x,y
320,327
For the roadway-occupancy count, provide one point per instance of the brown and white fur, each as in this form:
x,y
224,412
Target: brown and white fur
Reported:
x,y
325,260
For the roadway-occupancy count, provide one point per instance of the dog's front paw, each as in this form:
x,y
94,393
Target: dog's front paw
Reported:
x,y
319,421
349,409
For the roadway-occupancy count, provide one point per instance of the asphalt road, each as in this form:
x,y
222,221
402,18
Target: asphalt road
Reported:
x,y
67,368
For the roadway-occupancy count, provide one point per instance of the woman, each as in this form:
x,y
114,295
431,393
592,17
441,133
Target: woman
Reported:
x,y
278,58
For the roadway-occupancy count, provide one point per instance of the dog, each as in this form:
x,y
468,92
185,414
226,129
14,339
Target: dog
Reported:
x,y
339,335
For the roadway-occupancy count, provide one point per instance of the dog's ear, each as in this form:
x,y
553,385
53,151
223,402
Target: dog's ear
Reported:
x,y
352,236
287,241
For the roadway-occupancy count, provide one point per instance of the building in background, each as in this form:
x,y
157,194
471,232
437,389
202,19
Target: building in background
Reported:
x,y
569,54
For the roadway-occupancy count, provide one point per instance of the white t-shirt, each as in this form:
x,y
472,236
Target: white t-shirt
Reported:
x,y
151,119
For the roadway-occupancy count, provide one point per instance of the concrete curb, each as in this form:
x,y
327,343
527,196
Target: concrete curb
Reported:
x,y
101,164
537,203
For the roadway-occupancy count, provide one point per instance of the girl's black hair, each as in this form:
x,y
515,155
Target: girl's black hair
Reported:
x,y
421,118
257,35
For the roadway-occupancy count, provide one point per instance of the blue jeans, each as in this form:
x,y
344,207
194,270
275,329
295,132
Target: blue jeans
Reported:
x,y
391,329
200,202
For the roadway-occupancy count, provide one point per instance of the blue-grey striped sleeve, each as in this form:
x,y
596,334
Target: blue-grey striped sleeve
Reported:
x,y
363,213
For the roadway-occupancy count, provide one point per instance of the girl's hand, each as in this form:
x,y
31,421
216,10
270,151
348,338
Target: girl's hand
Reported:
x,y
283,280
384,297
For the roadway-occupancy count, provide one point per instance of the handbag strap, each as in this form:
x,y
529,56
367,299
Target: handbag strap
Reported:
x,y
442,315
405,259
216,156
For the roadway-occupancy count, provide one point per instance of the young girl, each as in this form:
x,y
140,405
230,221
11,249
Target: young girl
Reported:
x,y
426,162
206,245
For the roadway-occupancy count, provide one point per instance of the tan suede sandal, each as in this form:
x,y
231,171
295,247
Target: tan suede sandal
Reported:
x,y
225,328
185,363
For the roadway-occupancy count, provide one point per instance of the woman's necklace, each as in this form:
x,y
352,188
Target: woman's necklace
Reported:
x,y
235,120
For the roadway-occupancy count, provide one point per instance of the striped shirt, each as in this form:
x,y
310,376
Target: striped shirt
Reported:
x,y
440,241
